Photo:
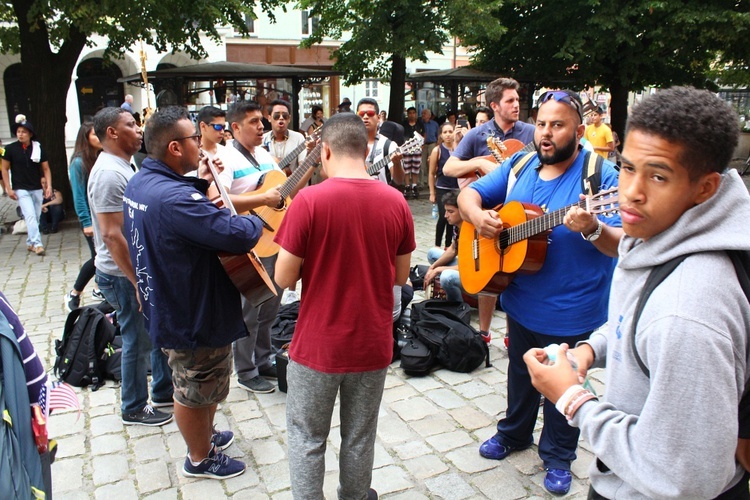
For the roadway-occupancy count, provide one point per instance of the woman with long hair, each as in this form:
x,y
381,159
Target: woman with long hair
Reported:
x,y
85,151
439,183
317,116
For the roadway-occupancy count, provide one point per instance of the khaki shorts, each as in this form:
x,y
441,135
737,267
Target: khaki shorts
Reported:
x,y
200,376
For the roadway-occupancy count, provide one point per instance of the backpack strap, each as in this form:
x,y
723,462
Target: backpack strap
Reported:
x,y
386,153
591,173
517,169
657,275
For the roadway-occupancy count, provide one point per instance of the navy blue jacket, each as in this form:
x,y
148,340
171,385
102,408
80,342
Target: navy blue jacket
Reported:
x,y
174,235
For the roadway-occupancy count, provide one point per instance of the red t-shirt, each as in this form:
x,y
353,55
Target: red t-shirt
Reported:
x,y
349,232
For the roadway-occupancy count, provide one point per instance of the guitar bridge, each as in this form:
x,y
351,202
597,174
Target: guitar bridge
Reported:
x,y
475,250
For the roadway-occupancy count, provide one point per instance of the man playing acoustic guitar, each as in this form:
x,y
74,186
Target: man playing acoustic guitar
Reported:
x,y
567,298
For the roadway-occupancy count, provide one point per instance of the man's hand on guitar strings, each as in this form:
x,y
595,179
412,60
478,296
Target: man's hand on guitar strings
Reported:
x,y
204,172
489,224
578,220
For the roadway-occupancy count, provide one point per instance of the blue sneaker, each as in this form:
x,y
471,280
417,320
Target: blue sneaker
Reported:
x,y
495,450
222,439
215,466
557,481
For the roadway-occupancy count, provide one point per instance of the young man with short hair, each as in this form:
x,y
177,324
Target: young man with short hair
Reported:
x,y
211,123
599,134
341,348
280,141
367,110
668,429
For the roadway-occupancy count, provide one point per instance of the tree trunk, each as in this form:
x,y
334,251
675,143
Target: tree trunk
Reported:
x,y
48,77
619,108
398,80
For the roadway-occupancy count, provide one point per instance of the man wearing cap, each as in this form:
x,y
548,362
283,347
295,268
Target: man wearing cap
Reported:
x,y
345,106
599,134
22,161
567,298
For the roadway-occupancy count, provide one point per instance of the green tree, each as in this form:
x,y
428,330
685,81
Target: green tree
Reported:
x,y
381,35
50,35
623,46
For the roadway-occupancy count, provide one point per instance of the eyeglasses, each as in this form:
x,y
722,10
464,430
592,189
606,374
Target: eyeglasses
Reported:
x,y
369,112
276,116
564,97
195,137
219,127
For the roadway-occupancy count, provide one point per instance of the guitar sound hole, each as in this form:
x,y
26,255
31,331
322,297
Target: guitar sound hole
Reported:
x,y
503,240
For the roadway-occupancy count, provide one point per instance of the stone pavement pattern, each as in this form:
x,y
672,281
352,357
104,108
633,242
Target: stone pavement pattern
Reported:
x,y
429,432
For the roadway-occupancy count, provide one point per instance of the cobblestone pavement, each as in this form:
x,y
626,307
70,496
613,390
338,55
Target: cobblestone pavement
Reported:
x,y
429,431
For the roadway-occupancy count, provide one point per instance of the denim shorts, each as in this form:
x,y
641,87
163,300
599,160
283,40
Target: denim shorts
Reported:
x,y
201,375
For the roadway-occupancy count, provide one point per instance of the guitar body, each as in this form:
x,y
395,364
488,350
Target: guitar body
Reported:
x,y
249,276
272,217
482,262
501,151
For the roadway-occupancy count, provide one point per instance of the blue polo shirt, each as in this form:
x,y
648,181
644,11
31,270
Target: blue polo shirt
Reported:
x,y
174,235
430,131
474,142
569,294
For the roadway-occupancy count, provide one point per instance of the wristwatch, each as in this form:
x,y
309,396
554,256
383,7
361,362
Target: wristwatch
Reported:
x,y
595,235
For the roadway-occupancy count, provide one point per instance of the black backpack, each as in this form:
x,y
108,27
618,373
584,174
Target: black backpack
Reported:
x,y
86,354
443,327
283,326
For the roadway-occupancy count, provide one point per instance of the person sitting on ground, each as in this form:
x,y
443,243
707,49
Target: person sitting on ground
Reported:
x,y
444,264
53,211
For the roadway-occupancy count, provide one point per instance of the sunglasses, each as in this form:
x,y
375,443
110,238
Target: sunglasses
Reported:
x,y
564,97
369,112
216,126
276,116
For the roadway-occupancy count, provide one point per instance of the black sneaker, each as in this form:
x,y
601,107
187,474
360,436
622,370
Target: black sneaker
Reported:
x,y
147,416
268,372
73,301
215,466
257,384
167,403
97,294
222,439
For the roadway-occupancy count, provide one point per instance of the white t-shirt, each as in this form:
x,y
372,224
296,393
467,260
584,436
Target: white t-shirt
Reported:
x,y
281,149
239,175
375,154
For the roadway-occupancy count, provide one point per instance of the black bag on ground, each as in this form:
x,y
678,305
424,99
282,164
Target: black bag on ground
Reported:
x,y
461,310
416,276
283,326
416,358
85,347
457,346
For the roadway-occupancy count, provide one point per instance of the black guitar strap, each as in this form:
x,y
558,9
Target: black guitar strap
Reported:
x,y
247,154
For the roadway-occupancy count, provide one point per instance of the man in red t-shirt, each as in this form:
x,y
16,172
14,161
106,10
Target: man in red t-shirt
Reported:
x,y
354,236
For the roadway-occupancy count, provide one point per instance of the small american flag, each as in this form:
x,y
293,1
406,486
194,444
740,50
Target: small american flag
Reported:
x,y
62,396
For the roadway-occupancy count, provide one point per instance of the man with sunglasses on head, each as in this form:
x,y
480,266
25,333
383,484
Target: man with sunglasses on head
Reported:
x,y
567,298
469,156
378,145
211,123
281,141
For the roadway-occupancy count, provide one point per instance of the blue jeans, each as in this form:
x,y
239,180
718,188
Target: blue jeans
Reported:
x,y
558,441
136,345
31,207
450,281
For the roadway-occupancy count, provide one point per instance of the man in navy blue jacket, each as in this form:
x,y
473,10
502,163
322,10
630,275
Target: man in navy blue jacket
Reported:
x,y
191,307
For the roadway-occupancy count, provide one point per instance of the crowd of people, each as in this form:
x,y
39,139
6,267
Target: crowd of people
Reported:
x,y
155,236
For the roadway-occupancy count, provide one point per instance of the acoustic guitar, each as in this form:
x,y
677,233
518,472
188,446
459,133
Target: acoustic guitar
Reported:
x,y
490,264
245,270
499,152
272,217
288,159
410,147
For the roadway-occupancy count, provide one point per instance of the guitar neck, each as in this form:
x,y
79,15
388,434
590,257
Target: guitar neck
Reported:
x,y
310,161
291,156
537,225
222,190
378,165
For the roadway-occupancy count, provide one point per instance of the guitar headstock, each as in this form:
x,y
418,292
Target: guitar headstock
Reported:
x,y
413,145
314,137
603,202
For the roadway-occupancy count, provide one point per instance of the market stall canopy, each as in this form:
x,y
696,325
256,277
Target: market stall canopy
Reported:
x,y
462,74
231,70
